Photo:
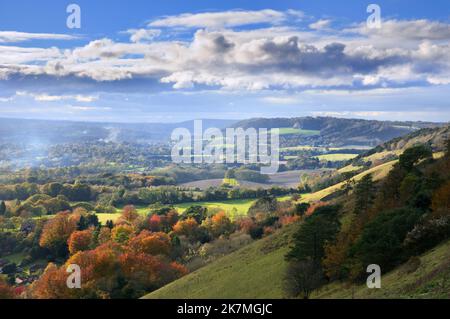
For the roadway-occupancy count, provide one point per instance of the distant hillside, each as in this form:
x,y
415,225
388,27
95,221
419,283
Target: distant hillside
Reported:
x,y
337,131
57,132
433,137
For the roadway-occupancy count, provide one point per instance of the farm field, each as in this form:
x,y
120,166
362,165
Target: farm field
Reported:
x,y
336,157
296,131
234,208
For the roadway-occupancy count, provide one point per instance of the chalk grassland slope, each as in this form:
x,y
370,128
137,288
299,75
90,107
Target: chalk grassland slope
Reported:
x,y
430,280
255,271
378,172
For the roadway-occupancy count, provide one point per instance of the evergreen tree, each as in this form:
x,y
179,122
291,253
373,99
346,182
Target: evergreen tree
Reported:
x,y
364,194
2,208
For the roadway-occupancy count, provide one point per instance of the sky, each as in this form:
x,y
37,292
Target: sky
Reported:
x,y
171,60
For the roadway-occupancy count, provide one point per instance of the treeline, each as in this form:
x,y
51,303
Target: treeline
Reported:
x,y
387,223
30,199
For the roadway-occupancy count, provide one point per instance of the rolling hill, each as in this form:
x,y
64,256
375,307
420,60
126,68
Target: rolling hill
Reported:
x,y
257,270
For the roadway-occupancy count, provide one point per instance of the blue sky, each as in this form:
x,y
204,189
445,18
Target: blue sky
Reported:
x,y
169,61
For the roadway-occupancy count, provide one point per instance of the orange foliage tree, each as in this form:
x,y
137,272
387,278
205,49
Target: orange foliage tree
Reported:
x,y
6,292
80,240
56,232
151,243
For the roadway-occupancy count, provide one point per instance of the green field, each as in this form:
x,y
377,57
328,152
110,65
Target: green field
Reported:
x,y
297,131
231,181
234,208
336,157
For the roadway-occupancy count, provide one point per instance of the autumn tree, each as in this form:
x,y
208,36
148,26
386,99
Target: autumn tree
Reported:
x,y
441,201
151,243
186,227
56,232
6,291
219,224
104,235
122,233
80,241
129,214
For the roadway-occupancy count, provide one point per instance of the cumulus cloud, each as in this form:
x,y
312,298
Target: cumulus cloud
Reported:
x,y
15,36
139,35
401,53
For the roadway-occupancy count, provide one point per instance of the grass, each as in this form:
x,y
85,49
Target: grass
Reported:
x,y
230,181
254,271
297,131
338,157
377,172
15,258
349,168
234,208
430,280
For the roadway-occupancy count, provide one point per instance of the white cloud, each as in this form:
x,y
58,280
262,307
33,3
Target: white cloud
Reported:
x,y
139,35
278,57
15,36
282,100
320,24
224,19
43,97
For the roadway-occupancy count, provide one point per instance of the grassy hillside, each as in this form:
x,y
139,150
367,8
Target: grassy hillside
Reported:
x,y
241,274
256,271
430,280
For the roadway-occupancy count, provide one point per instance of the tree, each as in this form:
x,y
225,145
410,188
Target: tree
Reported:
x,y
441,201
6,291
199,213
122,233
80,241
2,208
219,224
186,228
151,243
301,278
364,194
310,239
413,155
301,208
382,239
56,232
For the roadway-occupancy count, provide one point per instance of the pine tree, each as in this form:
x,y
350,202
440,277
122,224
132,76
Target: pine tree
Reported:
x,y
364,194
2,208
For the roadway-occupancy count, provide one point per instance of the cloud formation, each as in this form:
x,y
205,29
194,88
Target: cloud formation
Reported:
x,y
225,19
278,56
15,36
